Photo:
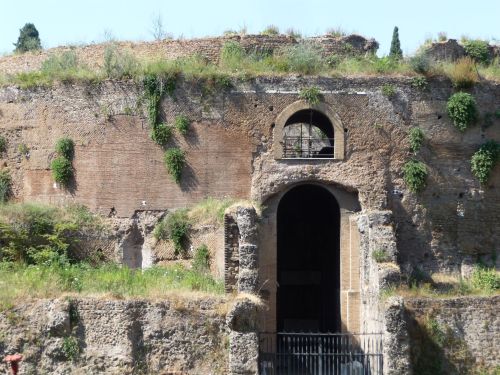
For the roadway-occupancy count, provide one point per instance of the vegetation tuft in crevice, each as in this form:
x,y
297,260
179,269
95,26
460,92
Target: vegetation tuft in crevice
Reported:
x,y
484,160
311,95
462,110
62,167
415,175
175,159
416,138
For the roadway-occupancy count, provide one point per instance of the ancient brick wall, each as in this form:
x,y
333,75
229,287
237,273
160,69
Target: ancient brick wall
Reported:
x,y
229,152
93,55
464,333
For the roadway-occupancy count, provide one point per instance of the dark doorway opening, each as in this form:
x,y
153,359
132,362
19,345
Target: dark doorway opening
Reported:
x,y
308,261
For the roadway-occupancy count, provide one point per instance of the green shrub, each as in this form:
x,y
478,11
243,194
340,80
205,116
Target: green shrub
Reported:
x,y
201,259
380,256
389,90
174,161
416,136
62,170
270,30
57,63
175,227
311,95
161,133
65,147
478,50
333,60
497,113
302,58
420,63
232,53
5,185
384,64
485,279
3,144
28,40
415,175
462,110
419,83
70,348
484,160
23,149
119,64
182,124
155,87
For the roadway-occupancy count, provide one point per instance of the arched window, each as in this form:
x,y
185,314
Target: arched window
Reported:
x,y
303,131
308,134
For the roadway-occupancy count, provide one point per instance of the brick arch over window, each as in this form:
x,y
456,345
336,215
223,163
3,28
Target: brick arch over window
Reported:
x,y
293,108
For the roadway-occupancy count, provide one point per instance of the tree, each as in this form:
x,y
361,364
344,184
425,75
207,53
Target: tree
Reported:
x,y
395,52
28,39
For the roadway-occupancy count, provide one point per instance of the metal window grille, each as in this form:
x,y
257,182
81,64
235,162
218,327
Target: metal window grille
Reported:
x,y
296,147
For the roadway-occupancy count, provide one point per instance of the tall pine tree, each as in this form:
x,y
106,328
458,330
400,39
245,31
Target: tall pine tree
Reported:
x,y
28,39
395,52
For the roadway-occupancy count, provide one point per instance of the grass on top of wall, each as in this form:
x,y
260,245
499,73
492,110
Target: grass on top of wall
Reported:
x,y
19,282
482,282
237,64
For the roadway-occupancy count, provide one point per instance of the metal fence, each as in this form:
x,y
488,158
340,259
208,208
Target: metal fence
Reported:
x,y
320,354
296,147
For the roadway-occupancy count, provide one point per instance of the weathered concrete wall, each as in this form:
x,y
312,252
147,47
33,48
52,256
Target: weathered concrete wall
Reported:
x,y
209,48
119,170
118,337
462,334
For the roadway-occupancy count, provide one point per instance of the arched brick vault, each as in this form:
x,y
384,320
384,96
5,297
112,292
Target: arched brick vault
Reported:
x,y
338,129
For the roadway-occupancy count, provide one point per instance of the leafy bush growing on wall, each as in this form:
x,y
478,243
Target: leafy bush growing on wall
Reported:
x,y
65,147
389,91
311,95
3,144
462,110
5,185
182,124
419,83
175,227
161,133
415,175
416,139
483,161
201,259
70,348
420,63
478,50
174,161
380,256
62,170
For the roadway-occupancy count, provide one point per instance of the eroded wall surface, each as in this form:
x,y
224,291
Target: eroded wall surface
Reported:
x,y
229,149
454,335
176,335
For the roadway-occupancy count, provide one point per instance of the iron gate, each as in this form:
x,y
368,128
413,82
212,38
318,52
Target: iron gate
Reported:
x,y
320,354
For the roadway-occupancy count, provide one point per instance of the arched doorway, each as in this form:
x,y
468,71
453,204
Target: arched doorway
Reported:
x,y
308,261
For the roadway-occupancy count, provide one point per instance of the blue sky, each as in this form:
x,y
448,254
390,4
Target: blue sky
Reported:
x,y
73,22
